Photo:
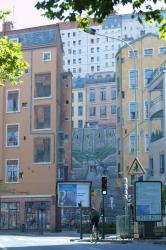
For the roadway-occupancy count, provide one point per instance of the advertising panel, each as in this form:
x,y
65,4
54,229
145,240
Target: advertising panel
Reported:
x,y
69,194
148,200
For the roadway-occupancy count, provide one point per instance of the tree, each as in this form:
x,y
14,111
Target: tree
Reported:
x,y
12,65
98,10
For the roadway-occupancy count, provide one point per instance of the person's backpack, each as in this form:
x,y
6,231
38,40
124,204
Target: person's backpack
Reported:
x,y
94,214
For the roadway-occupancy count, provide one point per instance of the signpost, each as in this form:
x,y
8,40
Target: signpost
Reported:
x,y
136,168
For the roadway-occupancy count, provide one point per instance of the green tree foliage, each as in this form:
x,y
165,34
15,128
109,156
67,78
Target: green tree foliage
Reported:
x,y
12,65
82,10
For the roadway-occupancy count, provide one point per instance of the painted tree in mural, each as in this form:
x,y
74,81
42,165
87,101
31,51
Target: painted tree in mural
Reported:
x,y
12,65
81,11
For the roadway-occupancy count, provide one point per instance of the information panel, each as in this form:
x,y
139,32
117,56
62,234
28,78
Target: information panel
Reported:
x,y
69,194
148,200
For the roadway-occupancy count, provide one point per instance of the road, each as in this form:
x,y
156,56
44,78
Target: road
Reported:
x,y
9,242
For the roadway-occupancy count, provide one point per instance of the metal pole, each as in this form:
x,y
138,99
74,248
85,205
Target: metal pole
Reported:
x,y
103,220
41,210
80,206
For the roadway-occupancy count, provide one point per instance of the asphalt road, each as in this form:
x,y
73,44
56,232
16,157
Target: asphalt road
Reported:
x,y
9,242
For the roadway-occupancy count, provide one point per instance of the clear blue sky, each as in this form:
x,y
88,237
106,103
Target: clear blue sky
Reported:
x,y
25,15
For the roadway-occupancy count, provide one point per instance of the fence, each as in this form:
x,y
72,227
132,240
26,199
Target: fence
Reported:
x,y
125,228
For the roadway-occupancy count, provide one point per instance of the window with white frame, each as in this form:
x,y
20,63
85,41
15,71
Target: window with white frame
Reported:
x,y
80,123
148,52
42,149
103,111
13,99
92,111
74,61
146,142
132,142
102,94
133,53
92,50
80,96
92,96
12,135
133,78
146,110
47,56
80,110
113,109
12,171
113,94
162,50
98,68
148,72
133,110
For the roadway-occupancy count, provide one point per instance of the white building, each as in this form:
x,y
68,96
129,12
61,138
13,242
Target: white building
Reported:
x,y
86,54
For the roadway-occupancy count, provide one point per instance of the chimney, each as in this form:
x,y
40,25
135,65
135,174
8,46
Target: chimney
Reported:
x,y
7,26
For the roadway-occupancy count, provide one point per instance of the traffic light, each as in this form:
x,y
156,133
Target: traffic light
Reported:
x,y
104,185
125,190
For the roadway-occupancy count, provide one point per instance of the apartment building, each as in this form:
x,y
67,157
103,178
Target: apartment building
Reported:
x,y
87,54
78,103
157,125
101,101
35,132
135,66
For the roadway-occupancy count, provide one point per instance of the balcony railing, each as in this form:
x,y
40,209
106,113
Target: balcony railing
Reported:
x,y
156,100
156,135
160,69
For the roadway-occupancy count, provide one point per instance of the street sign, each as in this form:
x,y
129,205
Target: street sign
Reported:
x,y
136,168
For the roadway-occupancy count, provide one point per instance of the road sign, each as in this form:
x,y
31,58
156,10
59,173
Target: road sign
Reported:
x,y
136,168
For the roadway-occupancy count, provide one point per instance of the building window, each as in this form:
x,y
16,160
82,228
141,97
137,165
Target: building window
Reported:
x,y
92,96
47,56
113,109
80,97
79,60
80,110
148,76
97,39
132,143
74,52
74,43
92,50
80,123
74,70
146,110
162,50
79,51
133,110
13,99
79,70
42,117
103,95
74,61
113,94
103,112
92,111
42,85
68,34
151,167
92,68
72,97
132,53
12,171
92,59
98,49
98,59
148,52
146,139
68,62
133,78
72,111
12,135
42,150
69,51
106,56
118,114
79,42
92,41
98,68
74,34
162,164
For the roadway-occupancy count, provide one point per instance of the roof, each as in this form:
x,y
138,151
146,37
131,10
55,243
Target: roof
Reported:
x,y
81,82
37,36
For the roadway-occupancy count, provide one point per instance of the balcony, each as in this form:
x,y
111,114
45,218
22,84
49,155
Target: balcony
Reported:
x,y
156,135
156,107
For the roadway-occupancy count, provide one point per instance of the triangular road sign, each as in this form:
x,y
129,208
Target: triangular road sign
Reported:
x,y
136,168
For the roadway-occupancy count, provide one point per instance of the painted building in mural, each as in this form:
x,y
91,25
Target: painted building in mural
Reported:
x,y
35,132
134,75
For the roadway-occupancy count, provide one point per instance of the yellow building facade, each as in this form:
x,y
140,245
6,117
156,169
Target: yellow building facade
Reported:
x,y
135,66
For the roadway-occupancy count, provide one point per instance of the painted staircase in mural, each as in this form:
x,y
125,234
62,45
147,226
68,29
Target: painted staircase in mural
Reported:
x,y
94,156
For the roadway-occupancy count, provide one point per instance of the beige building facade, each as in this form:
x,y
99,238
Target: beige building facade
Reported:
x,y
134,74
35,133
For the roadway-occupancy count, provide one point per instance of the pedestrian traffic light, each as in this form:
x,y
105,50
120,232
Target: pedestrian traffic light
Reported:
x,y
104,185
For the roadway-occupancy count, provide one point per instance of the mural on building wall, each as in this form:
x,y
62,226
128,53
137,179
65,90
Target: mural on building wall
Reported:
x,y
94,156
